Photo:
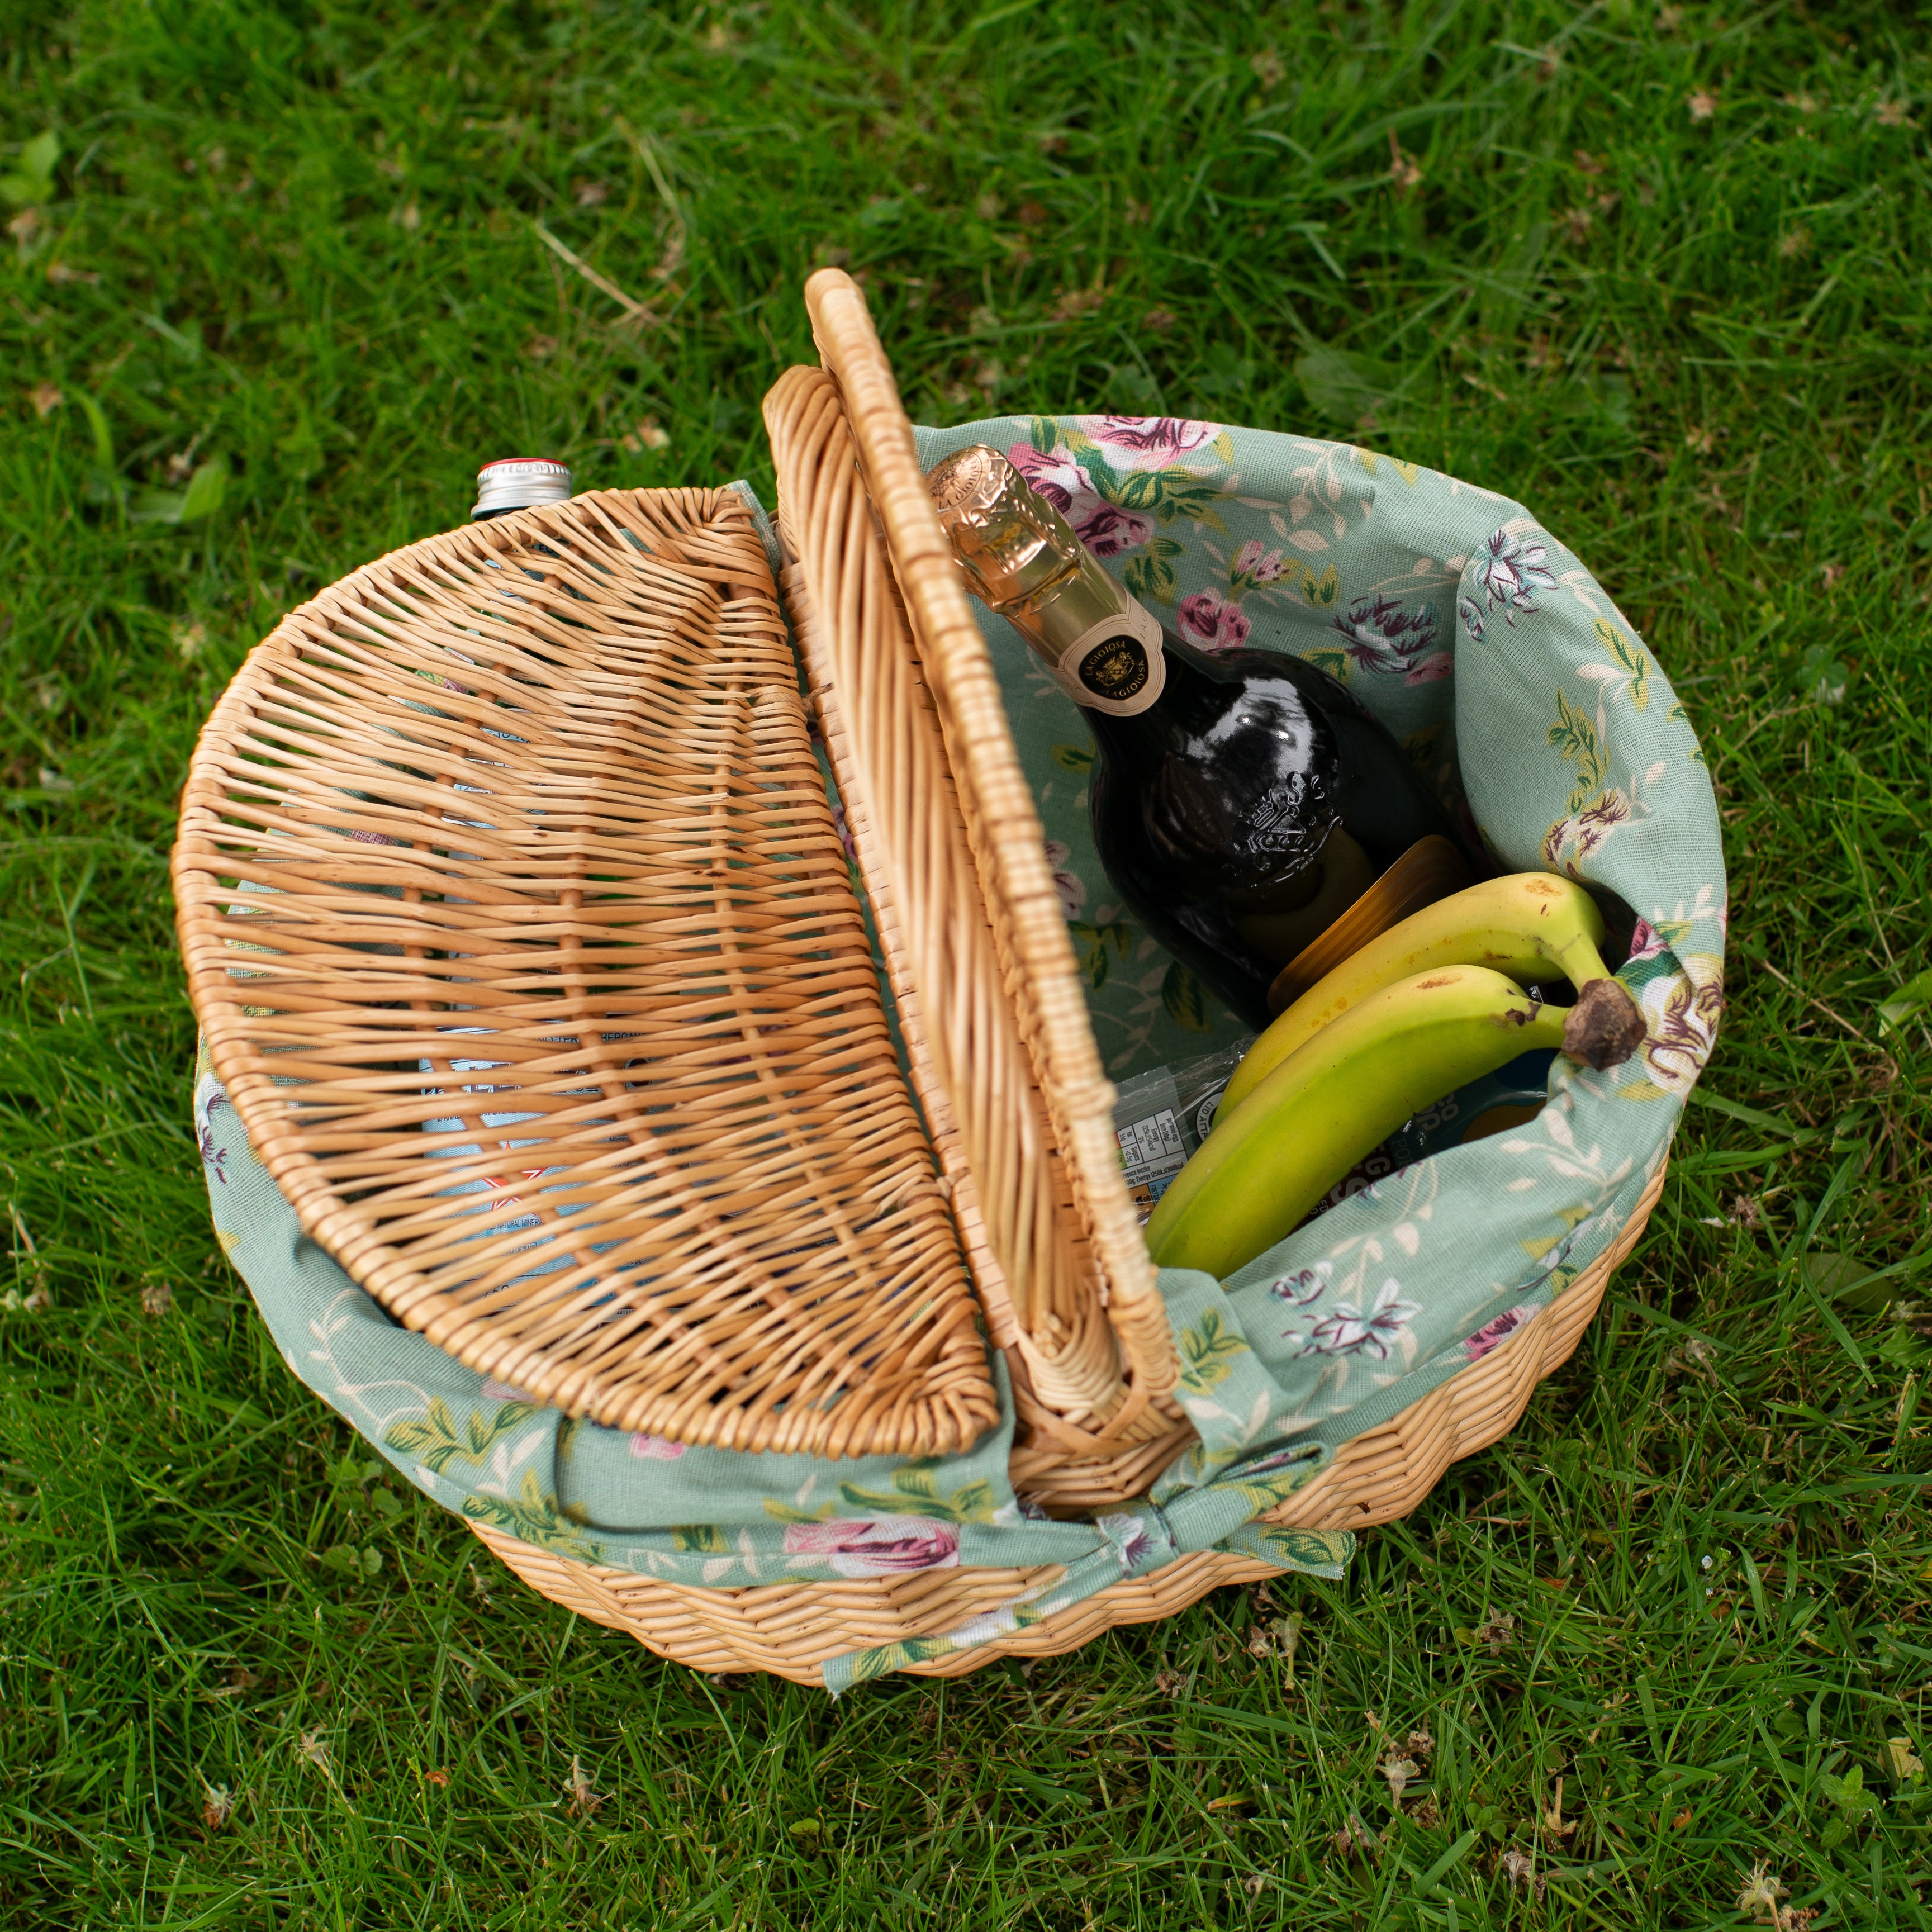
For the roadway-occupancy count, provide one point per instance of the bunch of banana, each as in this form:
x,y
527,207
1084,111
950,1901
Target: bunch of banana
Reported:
x,y
1433,1003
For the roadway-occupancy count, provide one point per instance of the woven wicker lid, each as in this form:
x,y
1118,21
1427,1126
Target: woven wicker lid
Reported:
x,y
951,843
525,944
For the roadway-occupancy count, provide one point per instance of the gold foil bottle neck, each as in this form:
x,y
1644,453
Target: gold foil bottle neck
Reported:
x,y
1011,543
1020,556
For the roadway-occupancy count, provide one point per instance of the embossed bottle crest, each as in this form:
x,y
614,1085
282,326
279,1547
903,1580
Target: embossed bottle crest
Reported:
x,y
1116,669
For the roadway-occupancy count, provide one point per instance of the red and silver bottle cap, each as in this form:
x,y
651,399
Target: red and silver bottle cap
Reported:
x,y
516,482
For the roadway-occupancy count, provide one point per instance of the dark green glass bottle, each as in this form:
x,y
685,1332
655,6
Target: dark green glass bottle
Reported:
x,y
1242,801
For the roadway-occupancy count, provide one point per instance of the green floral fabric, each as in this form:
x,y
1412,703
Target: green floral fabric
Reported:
x,y
1501,665
493,1454
1498,660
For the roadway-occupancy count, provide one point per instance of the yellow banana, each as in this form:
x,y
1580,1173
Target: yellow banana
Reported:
x,y
1340,1094
1531,925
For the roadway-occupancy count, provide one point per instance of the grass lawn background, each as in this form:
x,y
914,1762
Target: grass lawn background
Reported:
x,y
1661,273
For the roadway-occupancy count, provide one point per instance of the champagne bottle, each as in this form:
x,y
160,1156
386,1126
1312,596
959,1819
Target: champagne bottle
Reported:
x,y
1242,801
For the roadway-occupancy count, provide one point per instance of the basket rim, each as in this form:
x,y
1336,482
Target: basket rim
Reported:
x,y
1378,1476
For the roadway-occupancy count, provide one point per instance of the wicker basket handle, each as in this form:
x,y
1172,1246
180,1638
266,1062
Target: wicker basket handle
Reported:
x,y
995,973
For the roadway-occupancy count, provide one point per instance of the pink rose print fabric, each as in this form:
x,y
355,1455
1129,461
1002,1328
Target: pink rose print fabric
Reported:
x,y
879,1546
1213,622
1149,442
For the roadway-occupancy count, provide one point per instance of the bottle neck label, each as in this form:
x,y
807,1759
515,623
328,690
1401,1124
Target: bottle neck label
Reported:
x,y
1116,666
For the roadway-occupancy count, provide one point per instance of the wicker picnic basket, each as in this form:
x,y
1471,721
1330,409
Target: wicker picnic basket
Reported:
x,y
556,772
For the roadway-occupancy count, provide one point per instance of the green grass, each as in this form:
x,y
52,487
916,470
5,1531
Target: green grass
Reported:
x,y
294,238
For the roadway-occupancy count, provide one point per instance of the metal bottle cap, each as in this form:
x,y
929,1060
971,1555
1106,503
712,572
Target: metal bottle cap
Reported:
x,y
516,482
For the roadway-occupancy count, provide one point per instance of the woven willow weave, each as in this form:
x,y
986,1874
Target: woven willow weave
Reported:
x,y
790,1629
526,947
559,1025
912,707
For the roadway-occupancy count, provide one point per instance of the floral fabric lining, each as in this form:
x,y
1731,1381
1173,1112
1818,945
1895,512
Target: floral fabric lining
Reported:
x,y
724,1518
1520,691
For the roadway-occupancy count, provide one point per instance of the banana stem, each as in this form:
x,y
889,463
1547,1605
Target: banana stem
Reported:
x,y
1544,1025
1605,1027
1582,964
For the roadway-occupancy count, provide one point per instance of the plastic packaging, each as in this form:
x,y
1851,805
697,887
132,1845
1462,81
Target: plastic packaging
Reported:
x,y
1161,1118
